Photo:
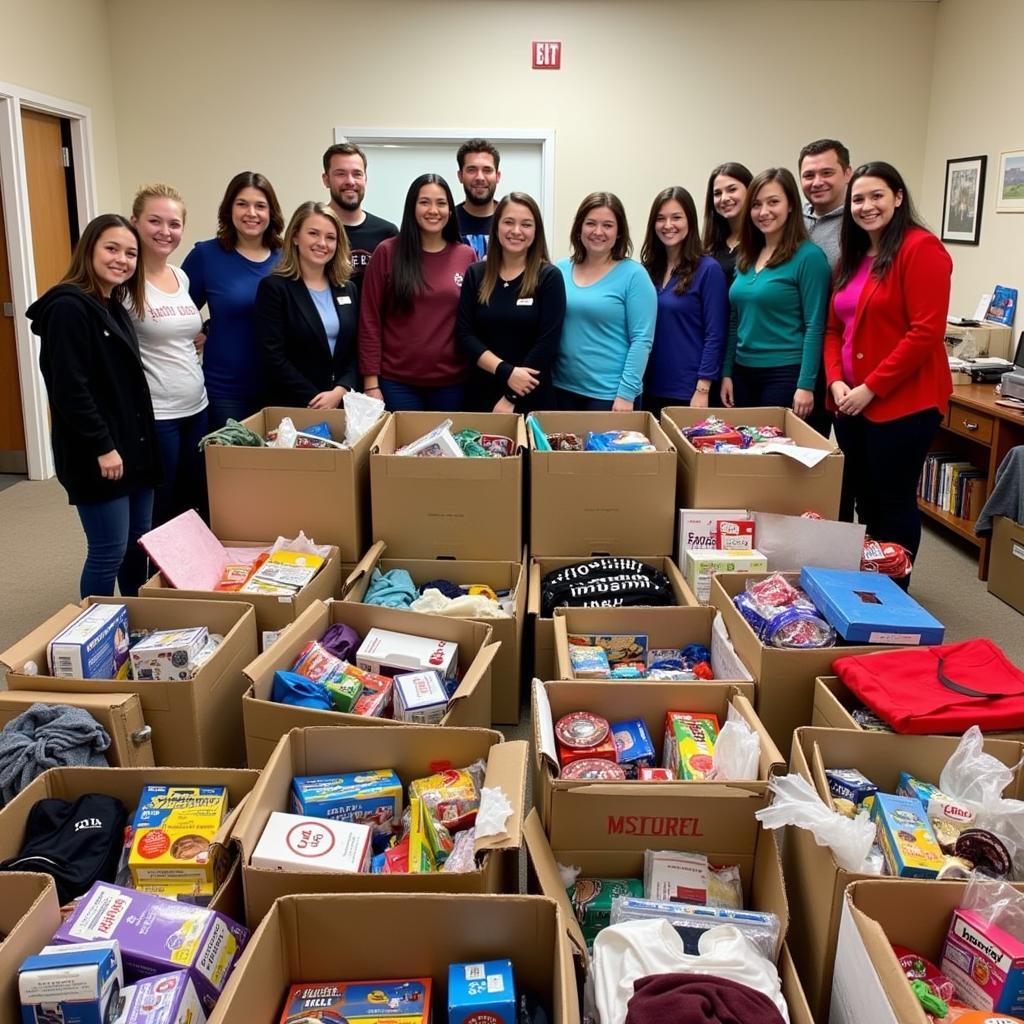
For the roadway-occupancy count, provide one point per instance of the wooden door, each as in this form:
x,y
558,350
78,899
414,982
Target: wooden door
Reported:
x,y
12,427
47,197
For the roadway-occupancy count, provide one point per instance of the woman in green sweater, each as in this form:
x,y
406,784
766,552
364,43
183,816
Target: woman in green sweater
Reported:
x,y
779,301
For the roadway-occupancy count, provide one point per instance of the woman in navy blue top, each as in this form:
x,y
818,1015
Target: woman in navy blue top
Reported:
x,y
224,273
693,306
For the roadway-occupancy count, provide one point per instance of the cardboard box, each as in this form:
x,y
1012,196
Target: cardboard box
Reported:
x,y
131,740
126,785
267,492
273,612
700,566
194,721
77,986
541,630
265,722
984,339
605,503
323,938
29,915
586,814
411,751
816,882
506,672
785,678
762,483
1006,564
448,507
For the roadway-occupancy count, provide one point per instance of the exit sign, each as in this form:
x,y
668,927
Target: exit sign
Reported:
x,y
547,55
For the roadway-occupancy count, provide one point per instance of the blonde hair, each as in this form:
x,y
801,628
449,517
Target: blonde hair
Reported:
x,y
339,270
158,190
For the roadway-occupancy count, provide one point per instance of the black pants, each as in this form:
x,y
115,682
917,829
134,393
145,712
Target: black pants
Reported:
x,y
881,473
570,401
754,386
820,417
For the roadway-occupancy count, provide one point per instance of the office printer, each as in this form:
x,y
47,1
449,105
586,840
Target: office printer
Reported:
x,y
1012,382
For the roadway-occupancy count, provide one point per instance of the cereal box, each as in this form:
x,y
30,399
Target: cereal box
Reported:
x,y
985,963
689,744
93,646
404,1001
371,798
906,836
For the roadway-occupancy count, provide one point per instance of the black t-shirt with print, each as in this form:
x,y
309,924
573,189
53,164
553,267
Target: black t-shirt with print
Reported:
x,y
475,231
364,238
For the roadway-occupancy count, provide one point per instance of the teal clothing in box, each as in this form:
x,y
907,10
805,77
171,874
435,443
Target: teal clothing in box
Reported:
x,y
778,315
607,333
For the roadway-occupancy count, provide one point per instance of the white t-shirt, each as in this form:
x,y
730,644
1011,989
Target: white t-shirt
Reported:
x,y
169,357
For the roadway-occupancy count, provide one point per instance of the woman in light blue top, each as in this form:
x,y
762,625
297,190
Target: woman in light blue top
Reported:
x,y
611,307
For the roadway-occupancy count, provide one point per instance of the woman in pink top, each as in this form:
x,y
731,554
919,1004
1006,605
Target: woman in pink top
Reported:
x,y
409,302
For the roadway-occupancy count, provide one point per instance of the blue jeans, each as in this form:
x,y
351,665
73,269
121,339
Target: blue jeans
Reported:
x,y
413,398
112,530
221,409
184,468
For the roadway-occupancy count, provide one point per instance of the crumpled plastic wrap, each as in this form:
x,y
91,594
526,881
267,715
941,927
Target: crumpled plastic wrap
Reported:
x,y
361,413
495,810
737,751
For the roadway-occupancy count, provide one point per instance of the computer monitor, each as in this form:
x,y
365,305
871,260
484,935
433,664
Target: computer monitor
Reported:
x,y
1018,358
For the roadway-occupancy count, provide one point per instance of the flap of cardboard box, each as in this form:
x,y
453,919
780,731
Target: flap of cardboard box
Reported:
x,y
506,772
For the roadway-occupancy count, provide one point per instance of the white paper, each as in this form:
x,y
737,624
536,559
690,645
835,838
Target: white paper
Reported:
x,y
857,993
809,457
545,726
791,542
982,308
725,662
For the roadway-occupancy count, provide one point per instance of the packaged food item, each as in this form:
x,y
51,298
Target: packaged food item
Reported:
x,y
589,662
400,1001
461,857
422,856
581,730
317,663
71,984
344,693
985,850
482,993
284,572
783,615
591,900
420,697
294,842
92,646
906,837
376,700
372,798
655,775
917,968
634,748
701,565
163,999
689,744
590,768
451,796
618,441
388,653
984,962
850,784
234,576
938,806
158,935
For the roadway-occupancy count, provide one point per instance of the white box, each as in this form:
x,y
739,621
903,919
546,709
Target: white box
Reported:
x,y
78,982
697,529
94,646
702,565
420,697
294,842
168,654
388,653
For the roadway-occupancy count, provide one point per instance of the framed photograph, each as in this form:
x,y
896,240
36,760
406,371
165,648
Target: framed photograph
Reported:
x,y
961,206
1010,194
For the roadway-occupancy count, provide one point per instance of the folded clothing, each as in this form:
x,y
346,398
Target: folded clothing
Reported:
x,y
391,589
698,999
605,582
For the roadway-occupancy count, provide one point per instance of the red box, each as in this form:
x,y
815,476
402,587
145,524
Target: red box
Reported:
x,y
734,535
604,751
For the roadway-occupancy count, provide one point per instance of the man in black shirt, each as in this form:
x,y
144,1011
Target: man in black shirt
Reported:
x,y
345,178
478,172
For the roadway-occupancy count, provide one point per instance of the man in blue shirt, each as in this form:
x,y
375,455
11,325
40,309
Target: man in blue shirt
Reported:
x,y
479,175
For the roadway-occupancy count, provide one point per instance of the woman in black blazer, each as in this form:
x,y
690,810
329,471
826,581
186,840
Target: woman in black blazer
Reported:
x,y
101,416
306,314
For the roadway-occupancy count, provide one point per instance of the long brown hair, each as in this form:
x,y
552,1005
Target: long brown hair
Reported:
x,y
623,243
82,274
716,228
654,255
793,232
536,255
339,270
227,233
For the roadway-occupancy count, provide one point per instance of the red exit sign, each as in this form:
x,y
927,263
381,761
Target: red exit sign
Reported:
x,y
547,54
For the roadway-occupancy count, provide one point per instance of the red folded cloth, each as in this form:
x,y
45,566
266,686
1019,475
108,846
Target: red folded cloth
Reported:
x,y
698,999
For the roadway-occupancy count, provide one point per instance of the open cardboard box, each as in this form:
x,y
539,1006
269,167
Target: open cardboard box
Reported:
x,y
362,936
816,882
195,721
785,678
584,503
469,508
273,611
541,628
1006,562
506,672
714,816
412,752
264,492
29,915
126,785
265,721
131,740
763,483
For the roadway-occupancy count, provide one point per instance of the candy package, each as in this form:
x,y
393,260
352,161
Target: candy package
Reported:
x,y
782,615
618,441
434,444
452,797
317,663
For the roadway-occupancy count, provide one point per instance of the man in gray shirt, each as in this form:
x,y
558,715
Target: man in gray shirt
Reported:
x,y
824,175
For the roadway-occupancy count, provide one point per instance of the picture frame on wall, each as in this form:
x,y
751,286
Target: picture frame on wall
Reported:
x,y
962,201
1010,193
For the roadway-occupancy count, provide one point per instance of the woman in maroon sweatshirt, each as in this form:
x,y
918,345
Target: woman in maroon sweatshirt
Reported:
x,y
410,298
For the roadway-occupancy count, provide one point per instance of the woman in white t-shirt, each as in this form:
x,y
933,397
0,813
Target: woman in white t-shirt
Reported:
x,y
167,336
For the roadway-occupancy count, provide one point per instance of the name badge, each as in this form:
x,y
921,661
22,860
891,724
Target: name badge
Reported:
x,y
344,300
524,302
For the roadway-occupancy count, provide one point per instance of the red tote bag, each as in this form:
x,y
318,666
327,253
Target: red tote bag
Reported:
x,y
943,689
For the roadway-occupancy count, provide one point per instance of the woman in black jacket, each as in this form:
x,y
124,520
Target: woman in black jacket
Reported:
x,y
102,427
306,314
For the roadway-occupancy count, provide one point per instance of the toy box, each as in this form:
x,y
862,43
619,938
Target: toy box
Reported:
x,y
371,798
866,607
163,999
404,1001
481,992
420,697
634,748
158,935
291,842
906,836
701,565
388,654
168,654
985,963
71,985
93,646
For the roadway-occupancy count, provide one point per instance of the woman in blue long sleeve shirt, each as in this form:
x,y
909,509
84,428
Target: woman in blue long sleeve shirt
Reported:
x,y
693,306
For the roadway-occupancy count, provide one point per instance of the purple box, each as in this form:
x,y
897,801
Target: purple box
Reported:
x,y
158,935
162,999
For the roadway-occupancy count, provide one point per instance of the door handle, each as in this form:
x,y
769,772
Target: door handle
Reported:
x,y
9,309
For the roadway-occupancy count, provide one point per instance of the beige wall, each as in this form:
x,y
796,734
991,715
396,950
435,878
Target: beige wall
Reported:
x,y
975,109
651,93
62,48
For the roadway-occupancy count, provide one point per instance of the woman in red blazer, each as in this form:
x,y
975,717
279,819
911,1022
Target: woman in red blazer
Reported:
x,y
885,361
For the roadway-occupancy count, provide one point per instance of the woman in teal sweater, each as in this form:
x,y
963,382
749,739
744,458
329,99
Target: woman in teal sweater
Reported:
x,y
779,300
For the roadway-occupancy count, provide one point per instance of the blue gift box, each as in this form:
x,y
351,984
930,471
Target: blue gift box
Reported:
x,y
481,991
869,608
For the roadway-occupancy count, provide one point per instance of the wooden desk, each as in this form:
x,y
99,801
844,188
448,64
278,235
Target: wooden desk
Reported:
x,y
985,432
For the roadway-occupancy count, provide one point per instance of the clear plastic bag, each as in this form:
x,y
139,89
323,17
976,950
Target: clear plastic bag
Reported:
x,y
737,751
997,902
361,413
286,434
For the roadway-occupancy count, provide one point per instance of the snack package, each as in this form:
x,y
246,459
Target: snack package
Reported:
x,y
591,900
850,784
634,748
618,441
344,693
589,662
434,444
422,859
371,798
452,797
689,744
906,837
782,615
317,663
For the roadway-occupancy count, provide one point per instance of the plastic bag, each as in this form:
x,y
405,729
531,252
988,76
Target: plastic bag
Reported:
x,y
796,803
301,544
361,413
285,435
434,444
618,441
997,902
737,751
